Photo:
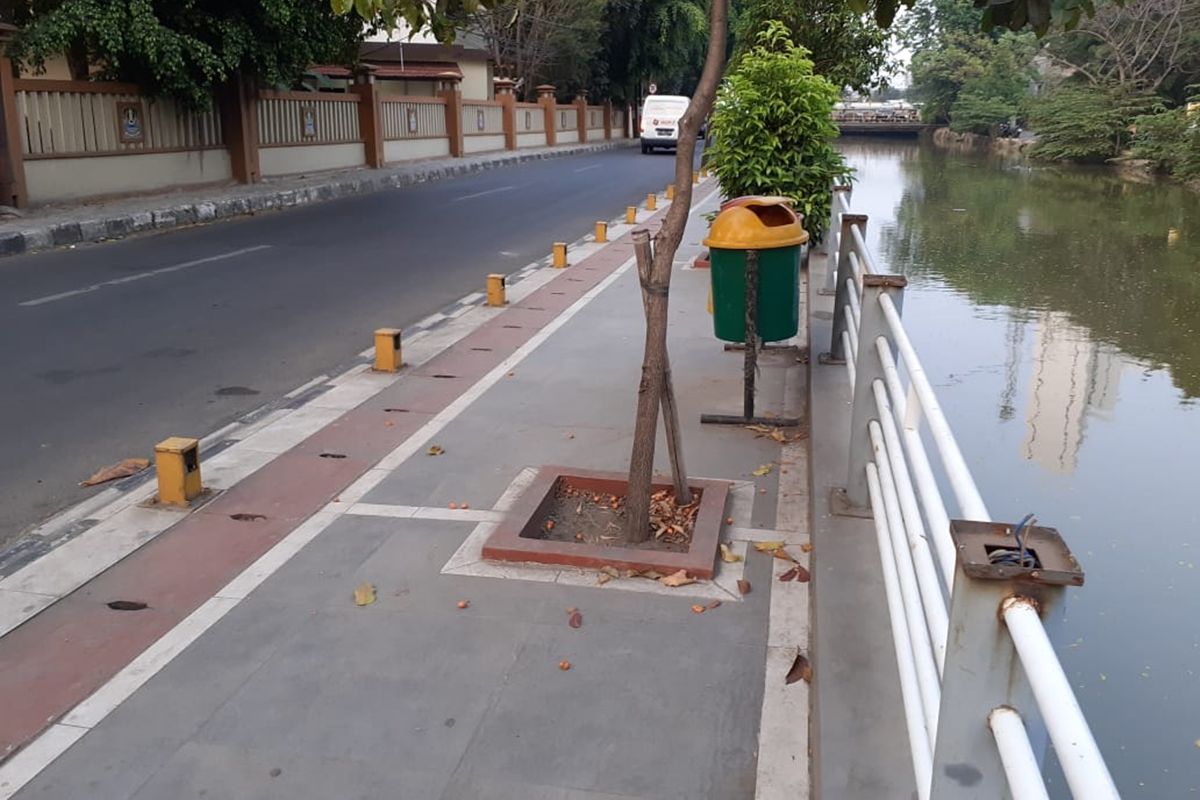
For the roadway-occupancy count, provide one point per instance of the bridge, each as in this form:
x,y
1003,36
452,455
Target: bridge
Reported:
x,y
881,127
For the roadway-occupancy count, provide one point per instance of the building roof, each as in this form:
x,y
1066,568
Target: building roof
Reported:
x,y
376,52
410,69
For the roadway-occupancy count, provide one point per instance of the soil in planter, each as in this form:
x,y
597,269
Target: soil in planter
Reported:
x,y
587,516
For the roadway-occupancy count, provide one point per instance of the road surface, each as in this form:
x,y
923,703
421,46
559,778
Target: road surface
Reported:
x,y
107,349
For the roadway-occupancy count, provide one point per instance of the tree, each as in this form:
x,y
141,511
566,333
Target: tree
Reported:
x,y
774,131
1135,47
1079,122
186,49
848,49
541,41
660,41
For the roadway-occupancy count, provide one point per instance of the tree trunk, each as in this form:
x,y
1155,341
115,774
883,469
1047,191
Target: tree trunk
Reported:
x,y
650,389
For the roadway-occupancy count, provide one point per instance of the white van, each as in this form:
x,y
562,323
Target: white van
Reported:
x,y
660,120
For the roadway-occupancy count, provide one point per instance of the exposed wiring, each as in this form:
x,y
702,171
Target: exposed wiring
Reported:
x,y
1019,556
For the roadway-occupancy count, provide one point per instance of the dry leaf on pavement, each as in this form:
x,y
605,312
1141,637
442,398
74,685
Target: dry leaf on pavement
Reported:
x,y
603,578
802,575
698,609
744,586
574,618
768,547
434,450
790,575
364,594
122,469
728,556
782,554
801,670
763,470
806,547
714,604
676,579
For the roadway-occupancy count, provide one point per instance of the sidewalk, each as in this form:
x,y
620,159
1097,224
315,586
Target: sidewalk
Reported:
x,y
102,220
252,674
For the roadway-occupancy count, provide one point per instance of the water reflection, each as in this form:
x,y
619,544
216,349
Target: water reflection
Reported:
x,y
1056,313
1073,377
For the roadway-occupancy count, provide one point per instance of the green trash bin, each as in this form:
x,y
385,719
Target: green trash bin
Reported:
x,y
770,226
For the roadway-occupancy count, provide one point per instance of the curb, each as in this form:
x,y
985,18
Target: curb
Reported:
x,y
338,185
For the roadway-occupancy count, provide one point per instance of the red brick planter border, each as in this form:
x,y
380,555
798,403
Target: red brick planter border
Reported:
x,y
507,543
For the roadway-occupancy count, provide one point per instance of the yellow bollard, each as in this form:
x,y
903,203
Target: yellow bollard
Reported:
x,y
387,350
631,215
177,461
601,231
704,172
670,191
695,177
651,202
495,290
560,255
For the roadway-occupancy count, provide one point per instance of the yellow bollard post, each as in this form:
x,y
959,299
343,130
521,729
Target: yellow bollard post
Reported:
x,y
651,202
670,191
695,177
601,231
560,255
704,172
387,350
495,290
631,215
177,461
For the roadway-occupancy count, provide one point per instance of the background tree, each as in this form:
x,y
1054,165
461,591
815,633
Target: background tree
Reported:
x,y
185,49
541,41
660,41
844,46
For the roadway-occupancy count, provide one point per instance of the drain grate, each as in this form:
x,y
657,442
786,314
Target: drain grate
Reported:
x,y
244,517
127,605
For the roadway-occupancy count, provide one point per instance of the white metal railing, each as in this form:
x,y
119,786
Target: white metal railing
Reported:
x,y
955,715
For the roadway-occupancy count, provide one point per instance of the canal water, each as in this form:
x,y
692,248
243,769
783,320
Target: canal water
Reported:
x,y
1057,312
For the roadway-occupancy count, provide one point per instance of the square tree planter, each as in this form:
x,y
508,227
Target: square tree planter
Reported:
x,y
518,536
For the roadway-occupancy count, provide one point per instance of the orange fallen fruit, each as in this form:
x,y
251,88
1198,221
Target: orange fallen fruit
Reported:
x,y
564,665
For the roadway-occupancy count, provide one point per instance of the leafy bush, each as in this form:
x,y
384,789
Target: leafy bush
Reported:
x,y
975,112
1084,123
774,131
1171,140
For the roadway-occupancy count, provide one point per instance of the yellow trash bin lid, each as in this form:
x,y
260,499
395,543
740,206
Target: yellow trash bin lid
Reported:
x,y
756,223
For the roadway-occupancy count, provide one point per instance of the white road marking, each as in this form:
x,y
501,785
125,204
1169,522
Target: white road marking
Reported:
x,y
483,194
57,739
585,169
95,287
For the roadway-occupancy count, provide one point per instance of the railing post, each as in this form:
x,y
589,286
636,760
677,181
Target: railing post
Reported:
x,y
836,353
608,119
370,118
547,101
868,369
581,115
238,100
452,93
835,215
983,671
508,108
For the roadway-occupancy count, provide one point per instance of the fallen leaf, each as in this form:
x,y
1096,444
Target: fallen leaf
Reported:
x,y
564,665
790,575
744,586
714,604
806,547
769,547
611,572
801,670
729,520
122,469
728,556
453,506
389,424
782,554
364,594
653,575
574,618
464,604
603,578
698,609
765,469
802,575
676,579
434,450
464,506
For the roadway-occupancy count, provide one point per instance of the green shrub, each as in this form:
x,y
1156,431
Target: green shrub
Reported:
x,y
974,112
1171,140
773,129
1084,123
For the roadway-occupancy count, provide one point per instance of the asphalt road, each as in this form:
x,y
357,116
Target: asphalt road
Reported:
x,y
96,368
